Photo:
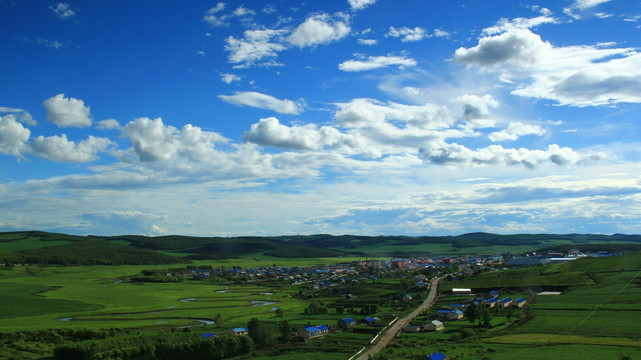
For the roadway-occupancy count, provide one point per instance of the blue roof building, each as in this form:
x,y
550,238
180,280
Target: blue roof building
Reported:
x,y
436,356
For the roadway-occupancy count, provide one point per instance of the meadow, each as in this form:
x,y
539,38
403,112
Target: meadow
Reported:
x,y
42,298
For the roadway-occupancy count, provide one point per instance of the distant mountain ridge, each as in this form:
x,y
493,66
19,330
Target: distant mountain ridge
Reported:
x,y
62,249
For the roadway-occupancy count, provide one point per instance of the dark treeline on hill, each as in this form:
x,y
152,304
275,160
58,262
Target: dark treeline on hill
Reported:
x,y
37,247
89,252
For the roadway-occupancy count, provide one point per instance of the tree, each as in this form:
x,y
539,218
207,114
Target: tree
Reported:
x,y
472,313
279,312
509,313
340,310
259,333
285,331
484,316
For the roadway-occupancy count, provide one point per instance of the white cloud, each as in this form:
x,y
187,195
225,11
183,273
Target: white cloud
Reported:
x,y
25,116
254,47
63,11
4,109
360,4
441,33
408,35
229,78
476,109
516,130
270,132
367,41
67,112
572,75
242,11
151,141
108,124
54,44
376,62
13,136
504,25
263,101
320,29
58,148
586,4
581,5
442,153
214,20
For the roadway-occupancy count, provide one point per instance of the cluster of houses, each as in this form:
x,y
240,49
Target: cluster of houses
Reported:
x,y
306,333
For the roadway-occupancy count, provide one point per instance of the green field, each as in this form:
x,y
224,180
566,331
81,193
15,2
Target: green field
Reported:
x,y
596,316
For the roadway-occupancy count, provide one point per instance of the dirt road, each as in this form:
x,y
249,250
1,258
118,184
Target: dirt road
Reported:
x,y
398,325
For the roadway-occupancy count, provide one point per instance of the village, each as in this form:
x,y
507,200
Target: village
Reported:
x,y
473,306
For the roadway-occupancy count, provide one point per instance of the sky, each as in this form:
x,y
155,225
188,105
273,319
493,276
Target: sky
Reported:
x,y
272,117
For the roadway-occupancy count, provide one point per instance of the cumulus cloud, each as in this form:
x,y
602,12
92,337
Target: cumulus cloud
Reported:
x,y
572,75
67,112
63,11
519,23
270,132
13,136
360,4
255,46
151,140
408,35
320,29
476,109
444,154
263,101
59,148
516,130
376,62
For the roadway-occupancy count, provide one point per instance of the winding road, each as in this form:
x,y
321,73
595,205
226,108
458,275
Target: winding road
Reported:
x,y
386,338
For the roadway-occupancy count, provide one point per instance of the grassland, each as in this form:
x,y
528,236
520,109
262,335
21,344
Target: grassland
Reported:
x,y
96,297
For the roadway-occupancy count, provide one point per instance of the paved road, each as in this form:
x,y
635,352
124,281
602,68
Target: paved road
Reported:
x,y
398,325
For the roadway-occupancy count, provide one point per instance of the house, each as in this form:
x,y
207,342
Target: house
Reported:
x,y
240,331
506,302
412,328
443,313
388,315
407,298
346,323
311,332
437,356
459,291
519,303
208,335
457,306
434,325
455,315
370,320
491,302
494,293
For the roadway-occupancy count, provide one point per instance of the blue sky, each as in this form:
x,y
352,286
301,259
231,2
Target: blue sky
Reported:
x,y
350,116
